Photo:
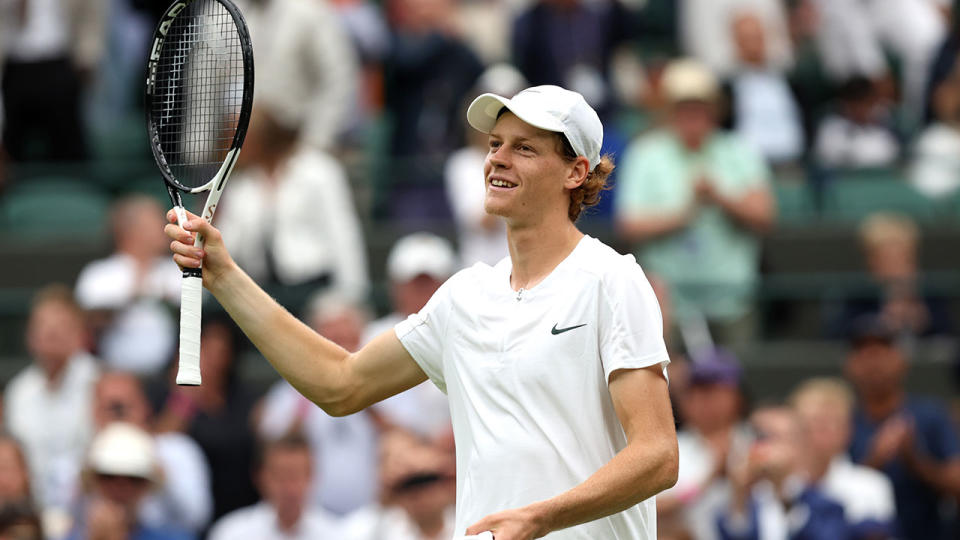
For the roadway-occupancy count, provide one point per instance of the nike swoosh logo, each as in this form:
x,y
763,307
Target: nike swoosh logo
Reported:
x,y
556,330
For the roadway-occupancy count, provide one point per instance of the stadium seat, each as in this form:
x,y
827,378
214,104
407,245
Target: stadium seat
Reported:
x,y
53,207
795,205
850,199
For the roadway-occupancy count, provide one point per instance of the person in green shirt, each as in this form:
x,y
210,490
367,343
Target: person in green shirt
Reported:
x,y
694,200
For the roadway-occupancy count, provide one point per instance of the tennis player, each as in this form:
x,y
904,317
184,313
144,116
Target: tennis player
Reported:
x,y
553,359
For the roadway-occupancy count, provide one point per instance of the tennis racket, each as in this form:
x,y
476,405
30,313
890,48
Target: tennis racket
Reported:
x,y
199,94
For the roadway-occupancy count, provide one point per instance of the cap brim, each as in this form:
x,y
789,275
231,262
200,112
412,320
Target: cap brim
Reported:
x,y
482,114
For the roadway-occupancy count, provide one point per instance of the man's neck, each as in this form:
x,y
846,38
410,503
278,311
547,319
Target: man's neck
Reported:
x,y
288,521
535,251
54,375
817,467
430,525
880,406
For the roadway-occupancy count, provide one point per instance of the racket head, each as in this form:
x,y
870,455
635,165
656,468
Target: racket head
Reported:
x,y
199,90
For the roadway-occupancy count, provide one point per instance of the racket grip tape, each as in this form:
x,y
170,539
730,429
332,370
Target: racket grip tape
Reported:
x,y
191,302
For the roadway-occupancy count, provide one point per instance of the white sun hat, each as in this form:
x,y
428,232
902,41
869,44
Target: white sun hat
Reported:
x,y
547,107
421,253
123,449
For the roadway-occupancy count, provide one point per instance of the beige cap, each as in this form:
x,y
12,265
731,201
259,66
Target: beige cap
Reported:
x,y
689,80
123,449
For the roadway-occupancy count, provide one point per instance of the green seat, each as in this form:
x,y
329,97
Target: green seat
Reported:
x,y
795,204
852,199
54,208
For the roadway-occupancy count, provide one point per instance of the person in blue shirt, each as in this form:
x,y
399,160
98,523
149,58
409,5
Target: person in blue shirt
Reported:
x,y
908,438
771,495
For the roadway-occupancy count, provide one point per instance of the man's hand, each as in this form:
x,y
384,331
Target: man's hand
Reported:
x,y
518,524
214,256
888,442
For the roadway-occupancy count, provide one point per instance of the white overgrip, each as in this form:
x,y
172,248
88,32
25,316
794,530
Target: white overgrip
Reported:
x,y
191,298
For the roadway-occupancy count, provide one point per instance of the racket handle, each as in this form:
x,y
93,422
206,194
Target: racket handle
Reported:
x,y
191,291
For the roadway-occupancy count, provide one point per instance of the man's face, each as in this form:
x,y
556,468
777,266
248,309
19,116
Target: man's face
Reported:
x,y
345,329
124,491
710,406
778,446
692,122
118,398
54,333
876,367
749,39
410,296
536,177
285,480
826,423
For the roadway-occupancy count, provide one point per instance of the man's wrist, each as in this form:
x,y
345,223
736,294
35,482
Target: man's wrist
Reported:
x,y
543,515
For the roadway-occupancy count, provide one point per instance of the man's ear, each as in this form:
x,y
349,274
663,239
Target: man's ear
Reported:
x,y
578,173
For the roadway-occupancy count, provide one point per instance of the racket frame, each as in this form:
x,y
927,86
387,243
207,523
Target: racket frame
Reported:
x,y
189,372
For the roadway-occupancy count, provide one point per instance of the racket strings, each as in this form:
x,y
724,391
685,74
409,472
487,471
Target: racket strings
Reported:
x,y
199,91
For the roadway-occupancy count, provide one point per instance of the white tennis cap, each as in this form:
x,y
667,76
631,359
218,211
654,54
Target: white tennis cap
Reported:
x,y
123,449
547,107
421,253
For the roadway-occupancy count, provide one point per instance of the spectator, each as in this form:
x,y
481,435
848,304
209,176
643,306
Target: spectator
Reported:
x,y
218,416
482,237
122,469
825,408
765,112
48,404
417,494
935,170
711,406
858,134
290,217
908,438
417,265
51,52
890,244
345,448
771,499
284,478
912,30
128,294
428,71
183,499
847,41
304,57
695,200
705,32
545,54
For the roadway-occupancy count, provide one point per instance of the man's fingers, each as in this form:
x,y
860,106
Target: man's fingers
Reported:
x,y
174,232
186,250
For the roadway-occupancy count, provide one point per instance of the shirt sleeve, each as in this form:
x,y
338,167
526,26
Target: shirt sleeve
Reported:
x,y
422,334
631,327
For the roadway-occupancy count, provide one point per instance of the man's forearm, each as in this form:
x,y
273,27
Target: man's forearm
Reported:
x,y
314,365
755,211
639,229
636,473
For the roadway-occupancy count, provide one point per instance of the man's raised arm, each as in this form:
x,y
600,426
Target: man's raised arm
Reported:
x,y
338,381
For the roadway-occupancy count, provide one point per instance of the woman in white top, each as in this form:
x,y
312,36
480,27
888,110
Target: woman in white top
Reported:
x,y
553,359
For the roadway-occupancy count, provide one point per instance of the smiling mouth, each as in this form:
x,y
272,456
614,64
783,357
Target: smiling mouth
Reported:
x,y
496,182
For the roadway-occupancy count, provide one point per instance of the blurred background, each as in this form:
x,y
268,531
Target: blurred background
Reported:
x,y
788,177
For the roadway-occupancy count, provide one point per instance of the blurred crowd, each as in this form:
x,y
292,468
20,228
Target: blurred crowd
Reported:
x,y
706,105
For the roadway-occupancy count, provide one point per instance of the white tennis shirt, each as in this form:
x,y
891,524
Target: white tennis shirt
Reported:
x,y
526,373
